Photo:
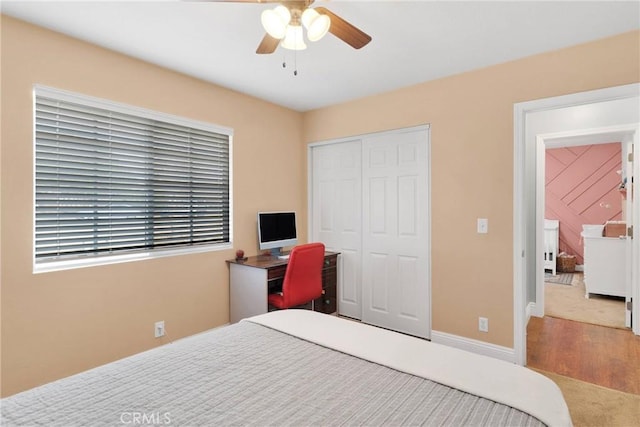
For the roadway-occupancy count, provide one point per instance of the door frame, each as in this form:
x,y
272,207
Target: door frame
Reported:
x,y
419,128
521,216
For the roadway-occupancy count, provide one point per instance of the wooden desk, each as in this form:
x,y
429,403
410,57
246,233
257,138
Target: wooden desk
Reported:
x,y
250,282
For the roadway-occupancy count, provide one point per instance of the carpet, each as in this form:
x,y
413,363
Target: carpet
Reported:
x,y
568,302
593,405
561,278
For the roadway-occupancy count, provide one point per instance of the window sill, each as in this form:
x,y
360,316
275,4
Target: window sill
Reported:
x,y
46,267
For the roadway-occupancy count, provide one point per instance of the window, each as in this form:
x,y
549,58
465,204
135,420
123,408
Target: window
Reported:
x,y
115,180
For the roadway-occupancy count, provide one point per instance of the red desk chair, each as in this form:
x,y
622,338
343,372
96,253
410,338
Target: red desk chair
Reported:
x,y
303,278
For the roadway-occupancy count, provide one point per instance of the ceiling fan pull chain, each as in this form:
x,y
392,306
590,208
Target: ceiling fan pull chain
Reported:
x,y
295,63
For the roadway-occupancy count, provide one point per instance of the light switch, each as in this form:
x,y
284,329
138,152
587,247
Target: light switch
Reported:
x,y
483,225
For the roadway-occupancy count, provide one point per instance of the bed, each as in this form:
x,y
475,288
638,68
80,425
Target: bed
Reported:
x,y
296,367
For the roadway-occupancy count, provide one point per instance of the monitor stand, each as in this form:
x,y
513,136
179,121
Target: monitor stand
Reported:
x,y
276,252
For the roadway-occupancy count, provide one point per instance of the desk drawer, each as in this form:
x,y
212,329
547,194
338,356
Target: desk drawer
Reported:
x,y
276,272
329,278
330,261
325,304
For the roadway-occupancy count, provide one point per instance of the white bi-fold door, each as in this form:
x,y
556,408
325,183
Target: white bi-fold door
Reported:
x,y
370,202
336,215
396,261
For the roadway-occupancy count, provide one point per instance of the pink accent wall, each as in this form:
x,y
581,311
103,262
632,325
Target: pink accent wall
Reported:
x,y
581,187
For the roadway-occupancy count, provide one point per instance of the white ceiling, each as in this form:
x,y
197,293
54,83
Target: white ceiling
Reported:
x,y
413,41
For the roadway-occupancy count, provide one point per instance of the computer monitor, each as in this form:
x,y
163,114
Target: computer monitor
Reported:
x,y
276,230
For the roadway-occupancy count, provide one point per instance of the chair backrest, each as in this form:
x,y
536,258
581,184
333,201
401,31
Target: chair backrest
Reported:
x,y
303,277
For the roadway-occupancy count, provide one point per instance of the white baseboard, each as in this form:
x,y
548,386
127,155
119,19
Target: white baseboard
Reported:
x,y
474,346
535,310
530,311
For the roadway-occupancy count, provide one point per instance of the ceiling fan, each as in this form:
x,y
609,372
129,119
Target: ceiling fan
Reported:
x,y
284,26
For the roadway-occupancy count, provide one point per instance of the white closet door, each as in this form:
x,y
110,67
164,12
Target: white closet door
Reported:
x,y
396,248
337,214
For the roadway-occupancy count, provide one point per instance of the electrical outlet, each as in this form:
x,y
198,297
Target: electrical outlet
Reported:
x,y
159,329
483,324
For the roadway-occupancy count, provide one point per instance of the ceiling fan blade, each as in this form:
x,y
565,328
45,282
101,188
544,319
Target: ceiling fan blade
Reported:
x,y
344,30
305,3
268,44
238,1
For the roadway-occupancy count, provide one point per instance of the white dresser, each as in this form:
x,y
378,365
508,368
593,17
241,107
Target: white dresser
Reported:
x,y
605,263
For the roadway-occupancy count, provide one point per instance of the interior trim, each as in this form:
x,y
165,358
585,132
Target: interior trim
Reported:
x,y
474,346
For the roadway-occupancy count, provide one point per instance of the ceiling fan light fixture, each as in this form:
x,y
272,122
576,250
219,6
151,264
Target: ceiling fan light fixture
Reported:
x,y
316,24
275,21
293,39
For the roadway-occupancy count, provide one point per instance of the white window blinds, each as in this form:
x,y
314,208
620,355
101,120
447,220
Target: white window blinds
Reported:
x,y
111,182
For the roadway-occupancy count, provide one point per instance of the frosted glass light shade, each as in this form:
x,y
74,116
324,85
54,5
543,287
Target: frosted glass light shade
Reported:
x,y
317,25
275,21
308,16
293,39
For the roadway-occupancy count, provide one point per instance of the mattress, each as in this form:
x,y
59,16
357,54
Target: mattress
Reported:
x,y
295,367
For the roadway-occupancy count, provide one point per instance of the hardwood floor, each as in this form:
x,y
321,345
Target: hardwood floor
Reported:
x,y
596,354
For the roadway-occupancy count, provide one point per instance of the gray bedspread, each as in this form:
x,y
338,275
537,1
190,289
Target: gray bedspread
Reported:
x,y
248,374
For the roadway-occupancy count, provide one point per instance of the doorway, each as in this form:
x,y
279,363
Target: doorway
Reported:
x,y
617,106
581,181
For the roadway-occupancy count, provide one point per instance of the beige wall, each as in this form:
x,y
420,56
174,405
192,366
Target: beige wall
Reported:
x,y
56,324
471,117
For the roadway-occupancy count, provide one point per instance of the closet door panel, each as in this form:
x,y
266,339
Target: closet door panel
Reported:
x,y
407,209
370,202
408,281
396,232
350,295
379,278
336,216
